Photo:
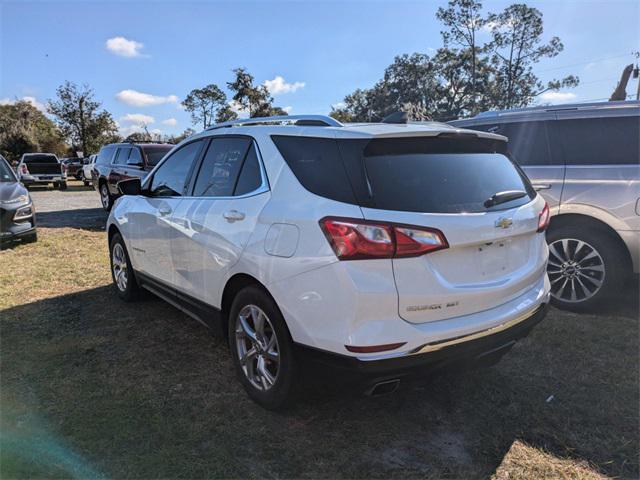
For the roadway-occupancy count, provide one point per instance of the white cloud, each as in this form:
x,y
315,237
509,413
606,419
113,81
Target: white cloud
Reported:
x,y
278,85
557,97
29,99
124,48
288,109
140,99
172,122
137,119
236,107
126,131
338,106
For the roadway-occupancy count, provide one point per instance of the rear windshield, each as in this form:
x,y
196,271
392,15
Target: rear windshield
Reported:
x,y
154,154
431,175
40,159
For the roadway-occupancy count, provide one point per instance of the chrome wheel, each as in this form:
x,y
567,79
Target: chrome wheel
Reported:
x,y
104,195
576,270
119,266
257,347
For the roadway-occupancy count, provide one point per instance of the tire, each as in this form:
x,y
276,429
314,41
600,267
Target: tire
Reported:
x,y
124,279
105,197
62,185
274,389
588,262
86,183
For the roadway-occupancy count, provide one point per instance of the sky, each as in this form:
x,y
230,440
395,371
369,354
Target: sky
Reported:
x,y
142,58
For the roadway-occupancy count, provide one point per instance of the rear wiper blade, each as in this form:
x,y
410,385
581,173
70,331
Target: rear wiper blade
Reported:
x,y
503,197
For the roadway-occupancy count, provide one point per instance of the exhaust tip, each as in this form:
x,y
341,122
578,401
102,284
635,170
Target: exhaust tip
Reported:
x,y
383,388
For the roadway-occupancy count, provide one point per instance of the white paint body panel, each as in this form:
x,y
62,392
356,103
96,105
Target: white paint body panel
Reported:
x,y
328,303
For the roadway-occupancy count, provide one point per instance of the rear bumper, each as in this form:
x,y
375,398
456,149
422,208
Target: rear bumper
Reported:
x,y
474,350
35,180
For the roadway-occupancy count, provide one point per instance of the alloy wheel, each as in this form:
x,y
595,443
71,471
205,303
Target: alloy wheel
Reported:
x,y
257,347
576,270
119,262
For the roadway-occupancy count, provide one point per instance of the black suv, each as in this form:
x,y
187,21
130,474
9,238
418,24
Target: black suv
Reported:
x,y
123,161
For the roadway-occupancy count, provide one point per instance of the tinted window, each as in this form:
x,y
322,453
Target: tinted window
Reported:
x,y
6,174
437,175
593,141
317,165
250,178
122,156
156,153
40,159
527,142
106,154
170,178
220,167
135,158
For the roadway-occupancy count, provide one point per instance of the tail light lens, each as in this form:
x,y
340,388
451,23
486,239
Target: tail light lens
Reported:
x,y
353,239
543,218
24,169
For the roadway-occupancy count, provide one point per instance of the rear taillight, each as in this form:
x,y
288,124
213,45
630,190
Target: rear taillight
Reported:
x,y
353,239
24,169
543,218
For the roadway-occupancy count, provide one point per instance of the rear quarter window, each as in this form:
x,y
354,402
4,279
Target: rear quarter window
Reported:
x,y
317,164
597,141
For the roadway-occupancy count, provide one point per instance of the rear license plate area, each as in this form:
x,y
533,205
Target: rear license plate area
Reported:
x,y
493,258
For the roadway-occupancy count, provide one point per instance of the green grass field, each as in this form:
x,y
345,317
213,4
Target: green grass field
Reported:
x,y
91,387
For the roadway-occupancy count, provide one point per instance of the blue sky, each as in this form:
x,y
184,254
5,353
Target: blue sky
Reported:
x,y
322,50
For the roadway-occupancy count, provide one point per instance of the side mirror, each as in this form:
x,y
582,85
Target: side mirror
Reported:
x,y
132,186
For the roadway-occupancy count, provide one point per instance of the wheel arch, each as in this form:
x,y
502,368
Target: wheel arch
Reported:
x,y
234,284
581,220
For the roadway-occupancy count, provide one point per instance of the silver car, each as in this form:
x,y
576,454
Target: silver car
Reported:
x,y
584,159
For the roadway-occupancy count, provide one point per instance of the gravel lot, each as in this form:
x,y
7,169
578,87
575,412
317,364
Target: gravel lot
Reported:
x,y
76,207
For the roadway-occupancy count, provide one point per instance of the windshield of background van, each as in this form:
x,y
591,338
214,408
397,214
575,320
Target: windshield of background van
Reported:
x,y
428,175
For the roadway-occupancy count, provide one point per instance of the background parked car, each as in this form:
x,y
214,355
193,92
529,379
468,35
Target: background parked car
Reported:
x,y
17,215
584,159
73,166
87,169
42,169
123,161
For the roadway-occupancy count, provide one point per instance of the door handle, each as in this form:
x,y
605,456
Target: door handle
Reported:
x,y
164,211
541,186
233,215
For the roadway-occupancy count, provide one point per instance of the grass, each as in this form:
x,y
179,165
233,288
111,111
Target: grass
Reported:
x,y
91,387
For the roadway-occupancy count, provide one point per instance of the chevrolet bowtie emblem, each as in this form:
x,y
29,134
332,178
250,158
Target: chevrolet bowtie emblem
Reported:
x,y
504,223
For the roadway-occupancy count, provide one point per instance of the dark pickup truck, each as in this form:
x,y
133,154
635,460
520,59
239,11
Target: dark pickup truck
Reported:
x,y
41,169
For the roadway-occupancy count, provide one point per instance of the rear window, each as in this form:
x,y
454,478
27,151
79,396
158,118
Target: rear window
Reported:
x,y
40,159
154,154
431,175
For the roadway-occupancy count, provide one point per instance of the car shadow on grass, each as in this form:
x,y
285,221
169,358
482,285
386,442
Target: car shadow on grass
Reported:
x,y
92,386
93,219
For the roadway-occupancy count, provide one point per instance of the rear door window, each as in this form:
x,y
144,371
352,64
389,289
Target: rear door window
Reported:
x,y
221,166
105,155
250,177
598,141
122,156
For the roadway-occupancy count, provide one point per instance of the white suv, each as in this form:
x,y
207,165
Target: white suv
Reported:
x,y
381,249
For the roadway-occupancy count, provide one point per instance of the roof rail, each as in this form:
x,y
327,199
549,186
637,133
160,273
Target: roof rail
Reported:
x,y
561,107
303,120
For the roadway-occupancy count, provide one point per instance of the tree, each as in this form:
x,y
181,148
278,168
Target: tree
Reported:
x,y
204,104
225,114
80,119
25,129
517,46
254,99
464,20
465,76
